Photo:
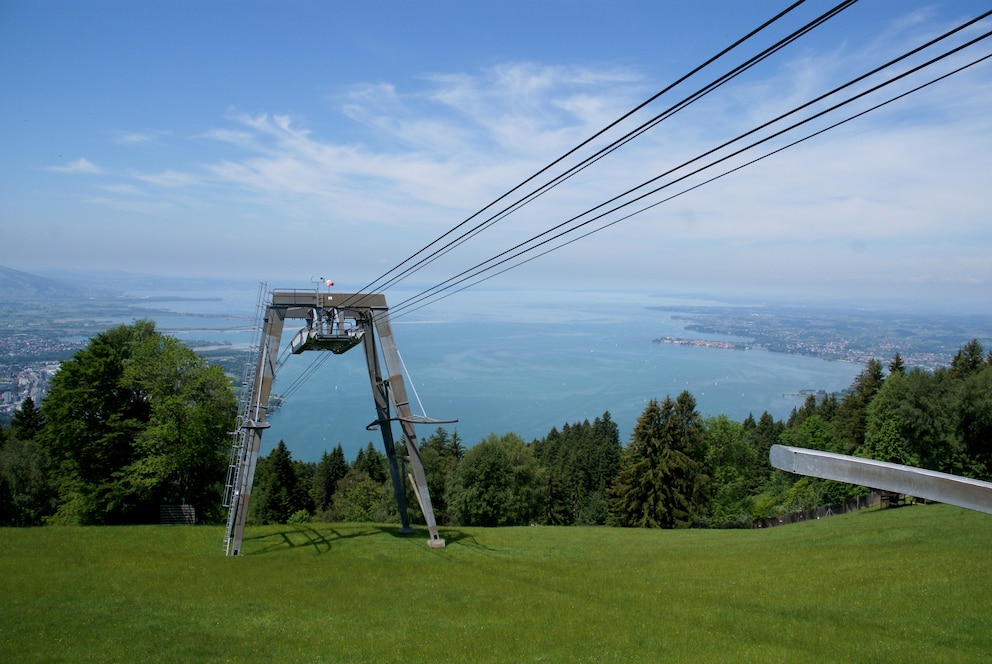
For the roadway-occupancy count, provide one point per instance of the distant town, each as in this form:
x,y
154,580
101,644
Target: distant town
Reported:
x,y
925,340
703,343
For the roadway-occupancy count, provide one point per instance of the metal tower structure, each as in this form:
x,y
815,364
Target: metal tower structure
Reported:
x,y
246,397
335,322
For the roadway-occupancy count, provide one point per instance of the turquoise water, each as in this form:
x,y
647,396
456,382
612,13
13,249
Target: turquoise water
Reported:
x,y
515,362
527,378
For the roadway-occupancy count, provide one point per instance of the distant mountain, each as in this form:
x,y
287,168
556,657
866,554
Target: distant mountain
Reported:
x,y
17,286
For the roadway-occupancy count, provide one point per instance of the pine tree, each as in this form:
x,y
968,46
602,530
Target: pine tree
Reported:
x,y
897,366
852,413
331,468
439,455
26,494
968,360
659,482
372,462
27,421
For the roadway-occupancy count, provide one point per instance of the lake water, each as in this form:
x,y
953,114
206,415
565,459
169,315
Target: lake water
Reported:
x,y
515,362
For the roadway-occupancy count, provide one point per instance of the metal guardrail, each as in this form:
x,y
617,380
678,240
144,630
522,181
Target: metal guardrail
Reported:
x,y
894,477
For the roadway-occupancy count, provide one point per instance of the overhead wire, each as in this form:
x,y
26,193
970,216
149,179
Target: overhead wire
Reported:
x,y
407,307
630,135
705,182
305,375
480,268
623,140
377,282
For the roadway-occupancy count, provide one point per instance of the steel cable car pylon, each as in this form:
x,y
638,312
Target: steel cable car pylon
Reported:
x,y
336,322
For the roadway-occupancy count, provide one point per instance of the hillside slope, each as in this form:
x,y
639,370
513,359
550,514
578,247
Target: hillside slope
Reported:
x,y
908,584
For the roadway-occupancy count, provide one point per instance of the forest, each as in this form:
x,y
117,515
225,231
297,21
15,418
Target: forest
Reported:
x,y
136,420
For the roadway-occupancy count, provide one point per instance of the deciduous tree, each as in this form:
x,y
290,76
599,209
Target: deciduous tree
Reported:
x,y
497,483
136,419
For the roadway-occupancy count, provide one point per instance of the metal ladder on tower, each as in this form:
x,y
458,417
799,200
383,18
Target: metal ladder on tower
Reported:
x,y
235,466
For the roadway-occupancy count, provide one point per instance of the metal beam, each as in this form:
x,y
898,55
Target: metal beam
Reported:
x,y
917,482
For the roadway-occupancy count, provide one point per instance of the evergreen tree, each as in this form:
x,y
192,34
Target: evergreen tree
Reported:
x,y
968,360
27,421
799,415
439,455
332,468
761,435
659,484
580,463
852,413
373,463
975,421
277,493
455,446
26,494
897,366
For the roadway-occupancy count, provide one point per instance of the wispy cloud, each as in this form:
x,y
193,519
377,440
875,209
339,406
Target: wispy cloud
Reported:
x,y
123,189
433,154
81,166
139,137
170,179
450,145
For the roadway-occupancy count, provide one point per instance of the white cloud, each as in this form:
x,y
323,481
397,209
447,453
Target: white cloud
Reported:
x,y
171,179
123,189
432,156
81,166
139,137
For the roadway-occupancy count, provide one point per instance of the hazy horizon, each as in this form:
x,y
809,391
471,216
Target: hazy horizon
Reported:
x,y
468,302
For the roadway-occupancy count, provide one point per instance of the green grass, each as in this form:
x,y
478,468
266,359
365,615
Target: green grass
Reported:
x,y
900,585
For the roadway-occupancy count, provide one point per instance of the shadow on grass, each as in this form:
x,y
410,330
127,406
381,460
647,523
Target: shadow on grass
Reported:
x,y
321,537
302,535
449,535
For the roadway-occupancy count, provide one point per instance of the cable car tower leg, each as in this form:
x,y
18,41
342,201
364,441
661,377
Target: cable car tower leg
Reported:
x,y
255,422
401,402
380,392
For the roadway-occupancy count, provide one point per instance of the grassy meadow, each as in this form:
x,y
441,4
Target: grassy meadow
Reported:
x,y
912,584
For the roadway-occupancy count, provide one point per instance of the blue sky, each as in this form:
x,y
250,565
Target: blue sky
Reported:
x,y
282,140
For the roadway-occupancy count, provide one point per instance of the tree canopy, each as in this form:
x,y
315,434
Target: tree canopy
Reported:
x,y
497,483
136,419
